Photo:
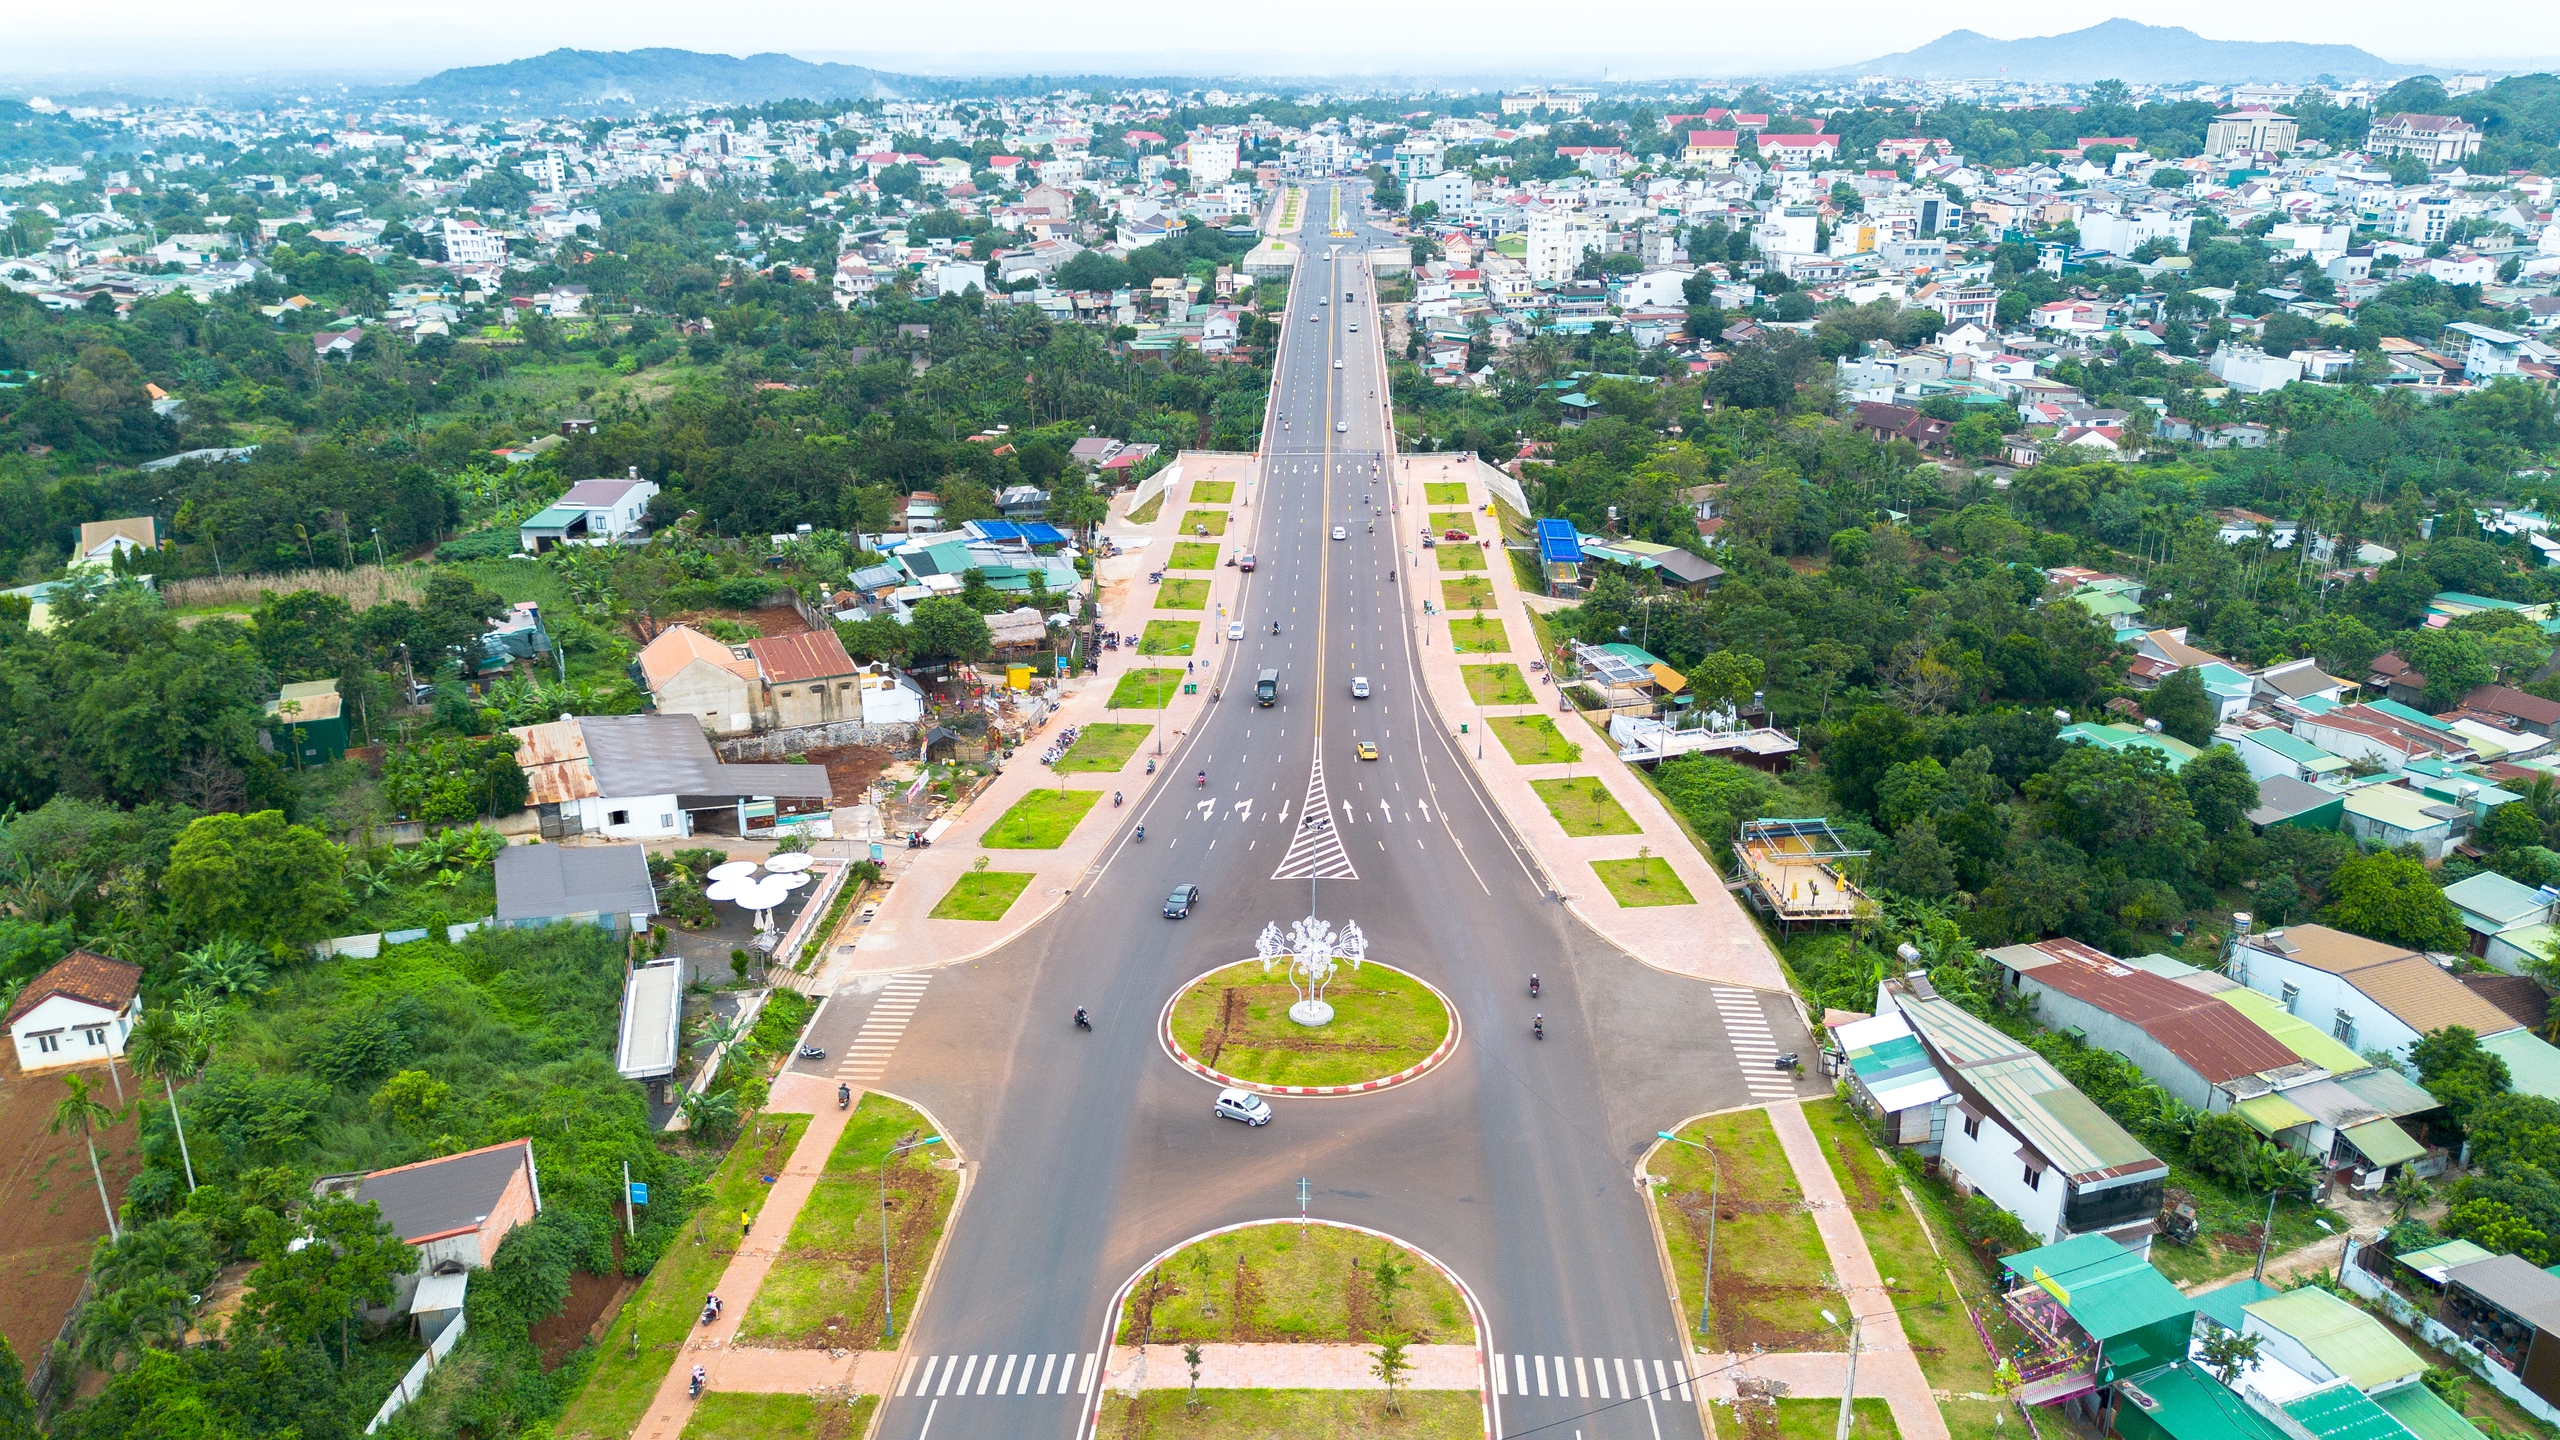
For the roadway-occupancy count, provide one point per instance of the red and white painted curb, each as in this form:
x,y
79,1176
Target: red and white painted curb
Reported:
x,y
1428,1063
1087,1427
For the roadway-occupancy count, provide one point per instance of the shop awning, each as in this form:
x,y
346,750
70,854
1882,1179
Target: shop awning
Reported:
x,y
2383,1142
2270,1115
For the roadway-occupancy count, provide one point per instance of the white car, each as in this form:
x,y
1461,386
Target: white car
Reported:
x,y
1337,364
1355,327
1341,427
1341,532
1252,1109
1235,629
1359,687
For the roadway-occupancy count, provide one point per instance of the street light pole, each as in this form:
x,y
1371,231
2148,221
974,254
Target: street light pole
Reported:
x,y
888,1294
1715,1189
1849,1389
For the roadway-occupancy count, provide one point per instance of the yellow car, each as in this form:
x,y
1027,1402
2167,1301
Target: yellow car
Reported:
x,y
1367,751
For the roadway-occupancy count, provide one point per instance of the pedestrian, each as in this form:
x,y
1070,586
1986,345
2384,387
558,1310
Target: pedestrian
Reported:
x,y
746,1224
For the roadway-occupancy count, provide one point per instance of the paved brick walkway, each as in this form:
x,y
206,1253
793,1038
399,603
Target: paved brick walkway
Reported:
x,y
903,935
1289,1367
1710,940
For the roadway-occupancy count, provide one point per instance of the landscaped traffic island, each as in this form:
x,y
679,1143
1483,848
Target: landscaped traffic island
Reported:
x,y
1233,1026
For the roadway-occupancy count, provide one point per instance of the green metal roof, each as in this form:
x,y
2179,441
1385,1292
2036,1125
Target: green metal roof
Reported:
x,y
2226,1306
2270,1114
2187,1404
2340,1336
2293,1032
554,517
2108,1291
2389,1091
2383,1142
2078,1139
2342,1412
2426,1416
2532,1063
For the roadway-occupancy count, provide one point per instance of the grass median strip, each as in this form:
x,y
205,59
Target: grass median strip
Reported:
x,y
1444,521
1297,1414
736,1415
1472,592
1041,820
1649,880
1213,492
1204,522
1237,1021
1461,556
1584,806
823,1292
1533,740
1802,1418
1193,555
1478,635
981,895
1169,637
1498,684
1269,1284
1183,595
1146,689
1772,1275
1102,748
669,1304
1445,492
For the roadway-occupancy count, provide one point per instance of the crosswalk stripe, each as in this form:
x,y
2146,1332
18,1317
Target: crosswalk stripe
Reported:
x,y
946,1381
912,1363
1581,1380
1008,1373
1500,1373
987,1378
1599,1370
1086,1384
1047,1367
1623,1392
1661,1382
1542,1375
1680,1372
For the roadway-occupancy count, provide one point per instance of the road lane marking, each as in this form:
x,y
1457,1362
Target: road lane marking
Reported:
x,y
1581,1382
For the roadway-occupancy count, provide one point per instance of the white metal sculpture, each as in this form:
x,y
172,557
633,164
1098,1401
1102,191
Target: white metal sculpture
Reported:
x,y
1313,951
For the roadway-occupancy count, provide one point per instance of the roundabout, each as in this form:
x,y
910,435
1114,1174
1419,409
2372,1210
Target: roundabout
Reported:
x,y
1238,1025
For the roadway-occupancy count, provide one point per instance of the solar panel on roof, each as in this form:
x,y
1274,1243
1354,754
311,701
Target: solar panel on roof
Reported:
x,y
1041,532
994,529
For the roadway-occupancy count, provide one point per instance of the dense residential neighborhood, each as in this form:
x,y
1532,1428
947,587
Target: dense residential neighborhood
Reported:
x,y
579,673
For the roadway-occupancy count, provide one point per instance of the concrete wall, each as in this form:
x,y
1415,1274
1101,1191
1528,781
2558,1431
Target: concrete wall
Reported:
x,y
813,702
723,702
2107,1032
774,744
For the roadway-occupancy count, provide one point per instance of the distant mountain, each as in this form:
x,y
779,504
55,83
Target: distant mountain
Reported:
x,y
2133,52
621,81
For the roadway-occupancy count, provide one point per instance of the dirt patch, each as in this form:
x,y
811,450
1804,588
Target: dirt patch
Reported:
x,y
1737,1325
1869,1197
769,620
852,769
593,1301
52,1218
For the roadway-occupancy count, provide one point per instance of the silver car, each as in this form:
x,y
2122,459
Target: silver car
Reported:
x,y
1244,1105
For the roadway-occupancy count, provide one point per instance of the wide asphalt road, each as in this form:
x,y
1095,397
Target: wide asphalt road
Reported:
x,y
1511,1163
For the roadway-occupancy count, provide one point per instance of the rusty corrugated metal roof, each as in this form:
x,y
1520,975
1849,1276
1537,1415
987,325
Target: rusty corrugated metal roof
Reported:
x,y
553,757
810,655
2217,1041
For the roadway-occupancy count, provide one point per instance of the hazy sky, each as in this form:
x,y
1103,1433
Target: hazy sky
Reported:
x,y
1640,37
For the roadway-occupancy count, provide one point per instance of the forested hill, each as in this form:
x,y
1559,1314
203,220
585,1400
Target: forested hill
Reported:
x,y
615,81
2131,51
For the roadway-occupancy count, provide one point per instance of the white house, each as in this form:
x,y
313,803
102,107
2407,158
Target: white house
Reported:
x,y
2124,234
650,777
101,541
1454,191
76,1013
2366,995
2252,371
593,512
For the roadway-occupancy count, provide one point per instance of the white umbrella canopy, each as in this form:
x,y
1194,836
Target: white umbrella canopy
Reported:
x,y
791,881
763,894
786,864
732,870
736,887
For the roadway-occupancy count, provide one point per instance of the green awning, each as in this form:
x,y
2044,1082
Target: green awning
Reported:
x,y
2270,1115
2383,1142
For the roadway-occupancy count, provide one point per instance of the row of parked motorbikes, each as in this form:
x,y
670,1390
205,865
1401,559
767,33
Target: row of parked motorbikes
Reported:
x,y
1058,746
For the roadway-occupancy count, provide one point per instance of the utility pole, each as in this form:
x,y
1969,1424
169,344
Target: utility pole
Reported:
x,y
1715,1189
888,1293
1848,1390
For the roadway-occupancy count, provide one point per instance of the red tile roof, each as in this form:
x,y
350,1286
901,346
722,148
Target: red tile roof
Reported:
x,y
81,975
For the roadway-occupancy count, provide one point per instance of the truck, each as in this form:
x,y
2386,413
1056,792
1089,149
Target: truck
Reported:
x,y
1266,687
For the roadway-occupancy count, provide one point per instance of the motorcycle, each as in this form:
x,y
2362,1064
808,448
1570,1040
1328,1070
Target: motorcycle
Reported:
x,y
1204,779
693,1389
1115,799
1082,1022
1533,987
1151,767
812,1052
1538,1026
844,1096
1142,833
710,1308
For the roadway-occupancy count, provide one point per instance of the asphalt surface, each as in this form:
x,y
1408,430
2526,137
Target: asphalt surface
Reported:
x,y
1512,1163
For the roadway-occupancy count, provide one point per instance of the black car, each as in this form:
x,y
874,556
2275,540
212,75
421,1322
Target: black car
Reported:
x,y
1177,906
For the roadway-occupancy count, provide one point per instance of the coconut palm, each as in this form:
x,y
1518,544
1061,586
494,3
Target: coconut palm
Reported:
x,y
2407,1191
171,1041
83,1112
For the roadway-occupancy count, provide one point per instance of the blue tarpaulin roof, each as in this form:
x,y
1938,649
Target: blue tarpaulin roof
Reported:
x,y
1557,544
1031,532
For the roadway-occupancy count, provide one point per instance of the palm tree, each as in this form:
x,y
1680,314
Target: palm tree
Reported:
x,y
2406,1192
225,965
709,1113
172,1041
80,1111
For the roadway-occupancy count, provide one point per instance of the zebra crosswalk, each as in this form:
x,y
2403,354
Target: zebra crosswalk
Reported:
x,y
1315,851
868,1056
1588,1377
1018,1376
1755,1048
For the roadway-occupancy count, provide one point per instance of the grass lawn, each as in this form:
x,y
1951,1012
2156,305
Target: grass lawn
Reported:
x,y
981,895
1773,1276
1267,1284
1649,881
1445,492
1237,1020
1169,637
1213,492
1213,521
824,1290
732,1415
1193,555
1976,1419
1497,684
1932,1308
1474,592
1478,635
669,1303
1813,1419
1146,689
1040,820
1584,806
1102,747
1533,740
1146,514
1468,557
1183,595
1444,521
1297,1414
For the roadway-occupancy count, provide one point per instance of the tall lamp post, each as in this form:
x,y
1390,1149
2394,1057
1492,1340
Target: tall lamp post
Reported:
x,y
888,1293
1715,1187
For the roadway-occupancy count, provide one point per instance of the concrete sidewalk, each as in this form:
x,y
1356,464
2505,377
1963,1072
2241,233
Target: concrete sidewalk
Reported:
x,y
902,934
1288,1367
1709,940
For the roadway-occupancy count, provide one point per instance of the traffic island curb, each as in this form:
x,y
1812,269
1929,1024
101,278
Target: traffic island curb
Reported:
x,y
1448,1046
